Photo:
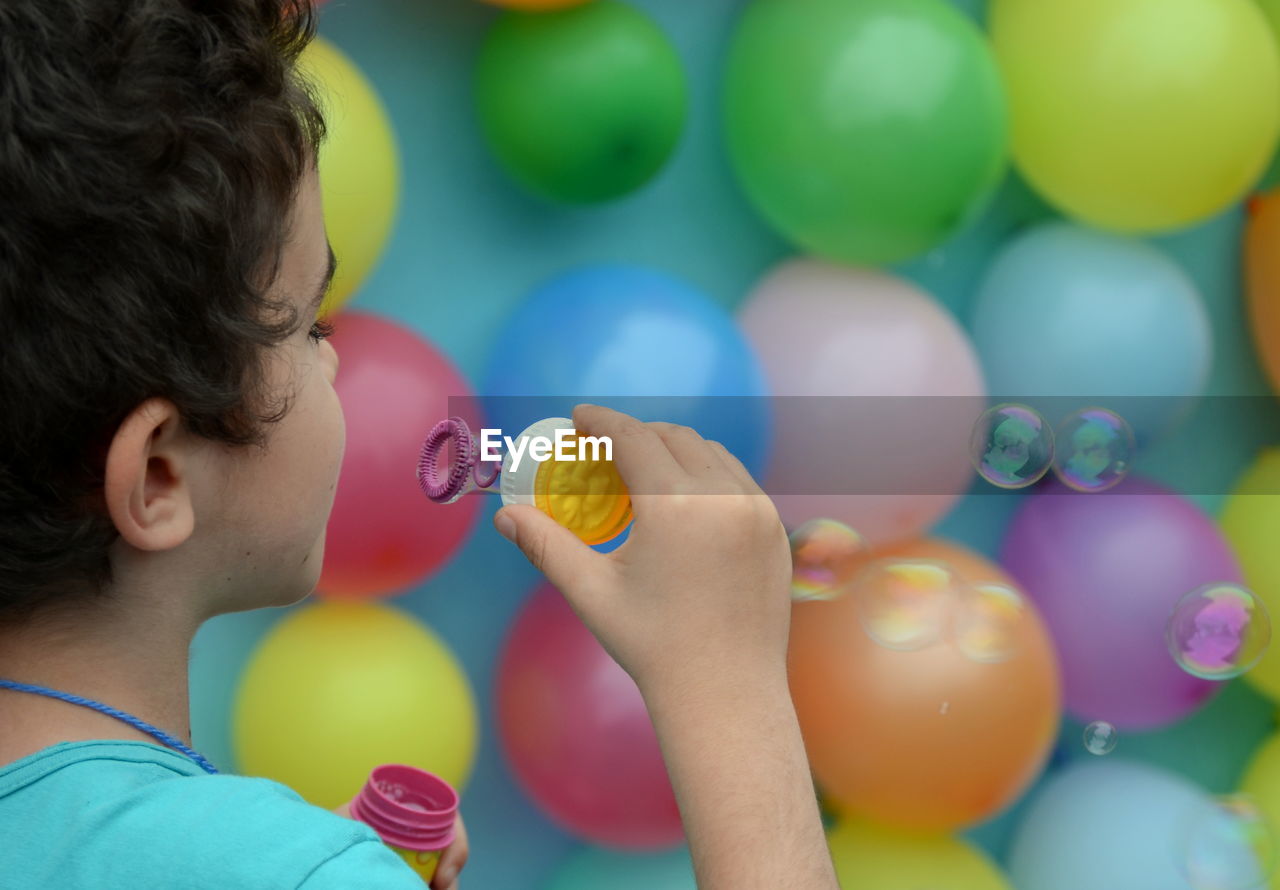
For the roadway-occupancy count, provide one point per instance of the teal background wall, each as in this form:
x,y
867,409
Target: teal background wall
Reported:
x,y
468,245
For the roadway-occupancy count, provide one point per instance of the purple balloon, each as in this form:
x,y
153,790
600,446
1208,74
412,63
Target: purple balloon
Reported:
x,y
1106,570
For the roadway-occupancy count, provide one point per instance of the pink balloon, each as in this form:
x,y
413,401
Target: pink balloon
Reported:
x,y
575,731
888,467
384,536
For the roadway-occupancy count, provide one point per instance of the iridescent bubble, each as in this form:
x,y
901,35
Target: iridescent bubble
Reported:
x,y
1100,737
988,622
906,604
1218,631
1227,845
1011,446
825,555
1093,449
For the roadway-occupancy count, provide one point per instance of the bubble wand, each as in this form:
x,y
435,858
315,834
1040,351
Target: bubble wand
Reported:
x,y
585,495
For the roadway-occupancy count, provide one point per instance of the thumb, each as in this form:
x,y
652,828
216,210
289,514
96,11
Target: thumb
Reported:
x,y
554,550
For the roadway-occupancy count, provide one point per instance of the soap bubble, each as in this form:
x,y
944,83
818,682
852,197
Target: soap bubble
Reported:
x,y
988,621
1227,846
906,604
1011,446
1218,631
1094,449
1100,738
825,555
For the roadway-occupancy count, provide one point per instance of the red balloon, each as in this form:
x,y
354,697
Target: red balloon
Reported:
x,y
575,730
384,536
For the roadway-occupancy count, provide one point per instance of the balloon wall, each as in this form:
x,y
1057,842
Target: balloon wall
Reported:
x,y
1037,660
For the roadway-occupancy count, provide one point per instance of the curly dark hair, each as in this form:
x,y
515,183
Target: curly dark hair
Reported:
x,y
150,153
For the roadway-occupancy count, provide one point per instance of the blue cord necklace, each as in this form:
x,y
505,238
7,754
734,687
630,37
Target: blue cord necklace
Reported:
x,y
158,734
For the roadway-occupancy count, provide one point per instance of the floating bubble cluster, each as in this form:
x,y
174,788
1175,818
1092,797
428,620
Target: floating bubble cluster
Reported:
x,y
1100,738
988,620
1218,631
1011,446
1093,450
1227,846
906,604
825,555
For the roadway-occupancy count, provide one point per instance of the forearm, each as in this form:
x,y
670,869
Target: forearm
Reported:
x,y
737,763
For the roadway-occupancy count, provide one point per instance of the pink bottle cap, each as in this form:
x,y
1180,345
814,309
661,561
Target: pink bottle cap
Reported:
x,y
408,807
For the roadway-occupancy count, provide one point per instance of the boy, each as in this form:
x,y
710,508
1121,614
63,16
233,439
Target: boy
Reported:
x,y
170,441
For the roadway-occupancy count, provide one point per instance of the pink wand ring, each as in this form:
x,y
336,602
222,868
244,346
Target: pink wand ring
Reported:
x,y
465,463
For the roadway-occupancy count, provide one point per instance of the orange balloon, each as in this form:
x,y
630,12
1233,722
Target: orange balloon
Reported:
x,y
1262,268
926,739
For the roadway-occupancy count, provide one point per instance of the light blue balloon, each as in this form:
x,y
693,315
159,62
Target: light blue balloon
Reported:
x,y
1109,825
634,339
1093,318
596,869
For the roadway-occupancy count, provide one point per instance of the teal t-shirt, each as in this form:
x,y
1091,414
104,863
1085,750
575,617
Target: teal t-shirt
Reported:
x,y
117,815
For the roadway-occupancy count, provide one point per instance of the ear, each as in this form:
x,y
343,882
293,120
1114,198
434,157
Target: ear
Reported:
x,y
147,489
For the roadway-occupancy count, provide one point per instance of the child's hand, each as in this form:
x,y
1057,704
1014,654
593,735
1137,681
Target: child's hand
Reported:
x,y
452,860
701,587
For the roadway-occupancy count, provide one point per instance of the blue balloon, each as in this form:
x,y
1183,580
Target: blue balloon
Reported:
x,y
1109,824
1069,312
636,340
595,868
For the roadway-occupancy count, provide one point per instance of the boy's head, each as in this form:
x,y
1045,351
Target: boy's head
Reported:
x,y
167,414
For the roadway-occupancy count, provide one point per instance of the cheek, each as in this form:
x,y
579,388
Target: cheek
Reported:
x,y
336,434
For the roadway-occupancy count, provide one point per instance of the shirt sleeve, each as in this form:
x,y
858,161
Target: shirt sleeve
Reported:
x,y
369,865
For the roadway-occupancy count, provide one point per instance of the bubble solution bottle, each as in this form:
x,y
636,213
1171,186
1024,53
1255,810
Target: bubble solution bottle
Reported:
x,y
412,811
582,492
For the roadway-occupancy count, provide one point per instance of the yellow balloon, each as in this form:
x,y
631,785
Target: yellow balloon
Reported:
x,y
340,687
1262,783
359,167
1251,522
1139,115
885,859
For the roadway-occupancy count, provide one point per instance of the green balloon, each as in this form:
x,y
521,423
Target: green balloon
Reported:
x,y
865,131
595,868
1271,179
583,104
1271,9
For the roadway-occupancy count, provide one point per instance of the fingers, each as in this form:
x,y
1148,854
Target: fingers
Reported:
x,y
652,456
452,860
554,550
642,458
691,451
735,468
